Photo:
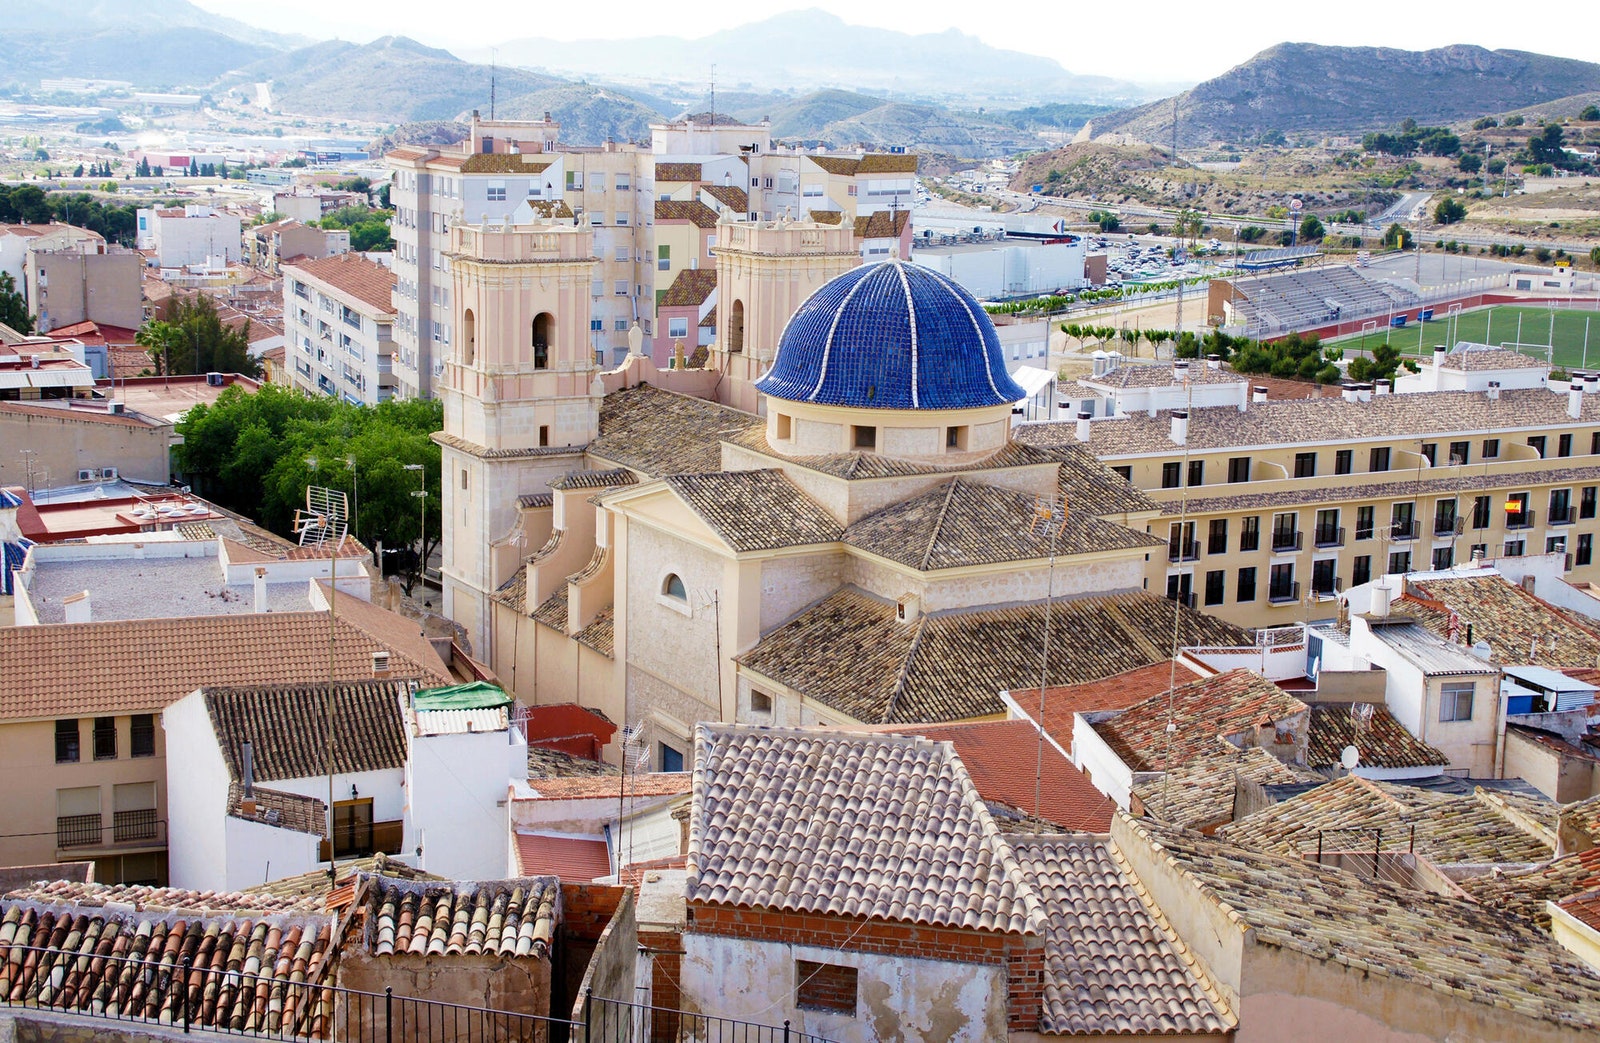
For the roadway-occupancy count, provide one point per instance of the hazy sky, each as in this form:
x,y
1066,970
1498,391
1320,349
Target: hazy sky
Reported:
x,y
1148,40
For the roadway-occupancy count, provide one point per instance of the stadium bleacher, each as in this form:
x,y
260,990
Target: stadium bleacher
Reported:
x,y
1308,297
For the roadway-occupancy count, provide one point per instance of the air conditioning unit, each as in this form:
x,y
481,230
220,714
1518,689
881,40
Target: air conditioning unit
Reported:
x,y
108,474
85,474
116,408
214,379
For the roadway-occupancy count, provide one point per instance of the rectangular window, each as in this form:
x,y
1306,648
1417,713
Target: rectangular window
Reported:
x,y
78,816
1443,558
1328,533
1491,448
1239,469
620,325
1250,533
1305,465
1460,452
1180,587
955,437
142,735
622,218
1171,472
1480,512
760,702
1585,554
1126,472
1402,521
663,258
1285,532
1217,536
1517,514
1344,462
1455,702
1361,569
1594,444
1536,443
105,738
1364,522
1586,502
1247,585
1561,512
1281,586
671,758
1323,576
1378,459
825,986
496,191
1181,544
1399,562
133,812
1564,445
620,288
1444,518
352,828
1197,472
67,741
1514,548
1555,545
865,436
678,328
1430,452
1216,581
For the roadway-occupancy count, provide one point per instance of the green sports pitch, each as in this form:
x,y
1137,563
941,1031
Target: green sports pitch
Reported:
x,y
1574,334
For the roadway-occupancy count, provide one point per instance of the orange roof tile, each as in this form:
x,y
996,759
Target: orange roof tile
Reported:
x,y
692,210
570,858
1117,692
588,787
690,289
677,172
367,281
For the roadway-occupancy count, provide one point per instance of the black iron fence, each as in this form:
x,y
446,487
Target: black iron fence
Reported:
x,y
617,1021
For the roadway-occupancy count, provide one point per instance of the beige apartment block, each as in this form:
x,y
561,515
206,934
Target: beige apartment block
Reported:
x,y
338,321
84,281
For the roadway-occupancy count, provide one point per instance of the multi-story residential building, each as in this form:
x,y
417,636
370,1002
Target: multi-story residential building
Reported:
x,y
83,280
193,234
338,323
635,201
267,246
18,240
1269,507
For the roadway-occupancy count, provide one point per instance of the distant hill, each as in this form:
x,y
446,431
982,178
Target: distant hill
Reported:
x,y
150,58
811,49
93,16
1297,88
393,79
588,115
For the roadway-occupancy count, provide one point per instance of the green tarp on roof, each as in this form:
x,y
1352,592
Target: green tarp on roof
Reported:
x,y
474,695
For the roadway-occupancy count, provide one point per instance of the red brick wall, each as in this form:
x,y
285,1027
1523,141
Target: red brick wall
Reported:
x,y
825,986
666,969
587,908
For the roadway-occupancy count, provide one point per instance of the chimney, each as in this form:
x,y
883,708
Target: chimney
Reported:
x,y
1350,392
1180,426
1438,355
1180,372
247,768
1258,394
1213,362
1364,392
1591,383
77,606
261,588
1494,391
1383,387
909,608
1380,602
1083,426
1575,399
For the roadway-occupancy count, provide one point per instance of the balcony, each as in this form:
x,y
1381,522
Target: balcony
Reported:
x,y
128,829
1562,516
1183,550
1283,593
1445,528
1328,536
1524,520
1407,530
1363,532
1249,541
77,830
1287,541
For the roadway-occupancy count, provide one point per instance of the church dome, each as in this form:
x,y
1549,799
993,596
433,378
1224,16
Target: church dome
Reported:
x,y
891,336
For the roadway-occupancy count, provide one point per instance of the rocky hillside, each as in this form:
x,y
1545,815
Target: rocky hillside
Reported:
x,y
1305,89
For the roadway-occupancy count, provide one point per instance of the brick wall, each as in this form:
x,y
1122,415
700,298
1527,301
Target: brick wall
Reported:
x,y
666,973
825,986
587,908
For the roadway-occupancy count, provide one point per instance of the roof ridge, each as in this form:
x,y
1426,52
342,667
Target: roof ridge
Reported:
x,y
938,524
1034,917
1497,803
904,675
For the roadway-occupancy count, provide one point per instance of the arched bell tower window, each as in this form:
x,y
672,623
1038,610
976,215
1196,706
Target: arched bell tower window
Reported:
x,y
544,325
736,328
469,337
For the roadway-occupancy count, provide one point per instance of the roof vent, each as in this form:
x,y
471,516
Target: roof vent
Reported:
x,y
1494,391
908,609
380,663
1258,394
1180,426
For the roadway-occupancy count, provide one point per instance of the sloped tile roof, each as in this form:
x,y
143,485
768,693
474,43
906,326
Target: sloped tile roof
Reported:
x,y
1113,965
690,288
570,858
462,445
854,465
677,172
964,522
144,898
876,826
607,479
1585,815
658,432
1383,742
287,728
1584,908
134,954
837,164
691,210
1481,356
1116,692
1450,829
534,501
316,886
612,787
292,811
601,633
1525,893
82,669
883,224
1519,627
1090,485
826,217
1160,374
888,163
1225,704
1199,794
849,652
1449,945
507,918
367,281
755,510
1001,757
503,163
552,612
731,196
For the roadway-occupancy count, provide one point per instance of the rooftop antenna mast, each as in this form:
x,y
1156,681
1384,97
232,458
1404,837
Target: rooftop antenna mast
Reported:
x,y
493,53
1049,518
713,94
325,520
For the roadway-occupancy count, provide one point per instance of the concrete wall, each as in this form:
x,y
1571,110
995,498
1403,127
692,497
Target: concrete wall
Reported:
x,y
672,664
457,786
66,286
1562,778
197,797
613,959
67,440
258,853
517,986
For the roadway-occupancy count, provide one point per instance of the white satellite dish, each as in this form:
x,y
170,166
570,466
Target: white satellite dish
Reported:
x,y
1349,758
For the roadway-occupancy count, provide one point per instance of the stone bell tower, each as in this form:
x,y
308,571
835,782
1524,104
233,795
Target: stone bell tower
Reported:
x,y
519,392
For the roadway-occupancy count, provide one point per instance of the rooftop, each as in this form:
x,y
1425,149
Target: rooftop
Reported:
x,y
1234,703
691,210
505,918
1160,375
836,824
690,288
660,432
122,588
287,728
1474,357
1382,741
144,898
570,858
755,510
1116,692
1200,793
1524,893
352,274
1519,627
1428,651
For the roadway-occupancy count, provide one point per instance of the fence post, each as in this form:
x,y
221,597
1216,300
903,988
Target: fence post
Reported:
x,y
183,991
588,1014
388,1014
785,1030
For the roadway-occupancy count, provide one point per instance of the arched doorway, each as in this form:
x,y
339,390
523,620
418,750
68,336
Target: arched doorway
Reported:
x,y
469,337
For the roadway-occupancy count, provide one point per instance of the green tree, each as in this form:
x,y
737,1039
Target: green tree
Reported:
x,y
1514,121
13,309
1397,238
1449,211
1311,229
1594,255
1590,113
194,339
1469,163
1383,365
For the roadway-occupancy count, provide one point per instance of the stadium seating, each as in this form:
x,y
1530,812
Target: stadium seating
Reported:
x,y
1309,297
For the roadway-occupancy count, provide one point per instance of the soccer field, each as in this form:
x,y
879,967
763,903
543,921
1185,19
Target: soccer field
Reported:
x,y
1574,334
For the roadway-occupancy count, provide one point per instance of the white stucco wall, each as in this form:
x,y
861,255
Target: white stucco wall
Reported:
x,y
458,786
257,853
197,797
897,998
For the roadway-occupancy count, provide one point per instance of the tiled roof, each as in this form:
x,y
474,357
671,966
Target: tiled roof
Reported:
x,y
963,522
534,501
316,887
691,210
826,217
883,224
860,465
1001,757
1116,692
82,669
1113,965
1474,357
1226,704
1382,741
1585,815
293,811
849,652
570,858
837,164
1089,485
731,196
660,432
612,787
600,634
462,445
507,918
131,975
607,479
367,281
1160,375
504,163
690,288
1525,893
888,163
556,208
400,633
677,172
1396,417
287,728
1437,942
875,826
1450,829
513,593
1519,627
1200,793
144,898
552,612
1584,908
755,510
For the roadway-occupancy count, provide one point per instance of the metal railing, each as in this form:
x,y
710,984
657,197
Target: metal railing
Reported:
x,y
1183,550
1449,526
1328,536
1282,541
1562,516
1408,530
1524,520
1279,593
77,830
131,826
616,1021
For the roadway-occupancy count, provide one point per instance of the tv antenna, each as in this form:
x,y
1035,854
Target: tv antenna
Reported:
x,y
325,519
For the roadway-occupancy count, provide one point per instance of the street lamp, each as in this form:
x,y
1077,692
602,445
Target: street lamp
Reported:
x,y
422,519
355,490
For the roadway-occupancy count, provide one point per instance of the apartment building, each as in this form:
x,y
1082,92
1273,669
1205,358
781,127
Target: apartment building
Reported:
x,y
1270,508
267,246
189,235
338,321
702,171
83,281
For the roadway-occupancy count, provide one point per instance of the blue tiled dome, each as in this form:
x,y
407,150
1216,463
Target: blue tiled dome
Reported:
x,y
891,336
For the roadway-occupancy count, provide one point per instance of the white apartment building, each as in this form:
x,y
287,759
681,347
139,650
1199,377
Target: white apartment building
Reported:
x,y
189,235
338,324
519,170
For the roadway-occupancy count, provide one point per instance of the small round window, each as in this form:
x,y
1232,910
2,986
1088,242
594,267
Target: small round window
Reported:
x,y
672,587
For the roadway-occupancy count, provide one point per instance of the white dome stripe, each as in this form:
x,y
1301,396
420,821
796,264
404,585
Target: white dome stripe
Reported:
x,y
827,345
988,364
911,316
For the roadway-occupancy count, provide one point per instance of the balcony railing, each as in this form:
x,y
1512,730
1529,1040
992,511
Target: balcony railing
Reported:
x,y
1183,550
1329,536
1285,541
77,830
1523,520
1282,593
1449,526
1249,541
1405,530
1562,516
129,828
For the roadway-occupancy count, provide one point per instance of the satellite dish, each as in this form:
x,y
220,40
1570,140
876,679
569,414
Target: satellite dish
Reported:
x,y
1350,758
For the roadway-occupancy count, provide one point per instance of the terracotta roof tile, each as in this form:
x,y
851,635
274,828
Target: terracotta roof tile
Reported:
x,y
367,281
837,164
660,432
504,163
482,453
1200,794
755,510
826,217
883,224
1116,692
888,163
1519,627
690,288
875,826
145,898
1584,908
1234,703
505,918
731,196
287,728
612,787
598,479
1382,741
277,808
677,172
685,210
1525,893
570,858
600,634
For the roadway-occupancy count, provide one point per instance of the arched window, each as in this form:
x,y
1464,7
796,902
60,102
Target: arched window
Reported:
x,y
736,328
469,336
543,329
673,587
